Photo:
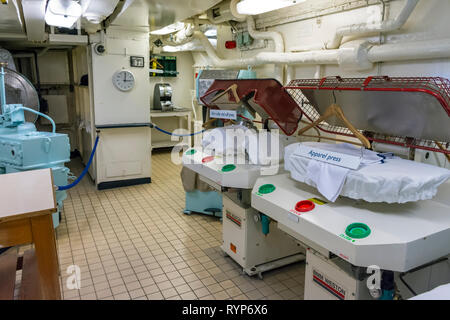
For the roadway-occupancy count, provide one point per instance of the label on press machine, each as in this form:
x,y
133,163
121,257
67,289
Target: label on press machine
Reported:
x,y
323,281
336,158
223,114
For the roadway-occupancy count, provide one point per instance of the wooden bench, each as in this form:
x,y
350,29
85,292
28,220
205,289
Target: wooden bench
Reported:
x,y
29,283
27,202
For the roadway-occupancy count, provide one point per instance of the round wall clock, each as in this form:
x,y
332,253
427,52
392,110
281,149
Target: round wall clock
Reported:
x,y
123,80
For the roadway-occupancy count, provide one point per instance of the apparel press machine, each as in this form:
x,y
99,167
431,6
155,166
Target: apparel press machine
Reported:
x,y
346,237
410,113
246,236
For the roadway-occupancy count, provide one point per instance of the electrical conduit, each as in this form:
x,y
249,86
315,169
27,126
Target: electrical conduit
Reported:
x,y
42,115
86,168
91,157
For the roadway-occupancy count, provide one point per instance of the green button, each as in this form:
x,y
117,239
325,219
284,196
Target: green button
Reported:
x,y
228,167
358,231
267,188
191,152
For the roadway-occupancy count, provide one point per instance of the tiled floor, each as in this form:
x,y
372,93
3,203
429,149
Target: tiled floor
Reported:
x,y
136,243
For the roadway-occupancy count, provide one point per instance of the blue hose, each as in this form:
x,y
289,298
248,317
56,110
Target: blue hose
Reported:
x,y
73,184
177,135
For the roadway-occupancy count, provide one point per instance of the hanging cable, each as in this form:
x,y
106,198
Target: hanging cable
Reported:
x,y
73,184
176,134
40,114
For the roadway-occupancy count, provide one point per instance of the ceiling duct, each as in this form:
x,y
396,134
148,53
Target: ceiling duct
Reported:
x,y
95,11
224,11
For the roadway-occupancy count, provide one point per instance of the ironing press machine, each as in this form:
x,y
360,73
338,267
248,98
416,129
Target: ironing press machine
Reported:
x,y
387,234
200,197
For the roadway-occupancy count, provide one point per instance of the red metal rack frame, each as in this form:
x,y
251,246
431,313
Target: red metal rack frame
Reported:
x,y
437,87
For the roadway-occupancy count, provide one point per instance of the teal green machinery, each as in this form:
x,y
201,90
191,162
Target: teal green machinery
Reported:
x,y
24,148
205,202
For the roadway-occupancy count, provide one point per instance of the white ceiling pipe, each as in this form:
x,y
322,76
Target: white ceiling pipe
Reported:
x,y
417,50
313,57
276,37
304,58
193,45
361,29
365,28
218,61
308,47
359,57
181,37
234,12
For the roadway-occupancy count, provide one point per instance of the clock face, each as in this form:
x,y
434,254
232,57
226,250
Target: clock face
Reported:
x,y
123,80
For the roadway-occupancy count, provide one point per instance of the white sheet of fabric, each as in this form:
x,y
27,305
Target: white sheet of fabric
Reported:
x,y
215,141
394,181
329,179
263,148
218,142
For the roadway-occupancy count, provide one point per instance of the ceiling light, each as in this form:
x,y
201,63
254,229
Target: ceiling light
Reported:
x,y
62,13
253,7
174,27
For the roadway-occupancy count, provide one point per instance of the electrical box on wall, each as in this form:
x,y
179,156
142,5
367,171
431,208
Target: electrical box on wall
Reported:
x,y
245,42
163,66
243,39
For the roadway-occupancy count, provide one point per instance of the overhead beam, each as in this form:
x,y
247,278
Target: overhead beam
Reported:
x,y
12,36
34,15
67,39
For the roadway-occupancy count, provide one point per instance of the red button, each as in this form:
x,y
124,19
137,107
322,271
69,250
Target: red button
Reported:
x,y
304,206
230,44
208,159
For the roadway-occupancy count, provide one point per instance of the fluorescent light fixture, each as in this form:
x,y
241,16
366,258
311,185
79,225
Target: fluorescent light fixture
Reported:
x,y
174,27
62,13
253,7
